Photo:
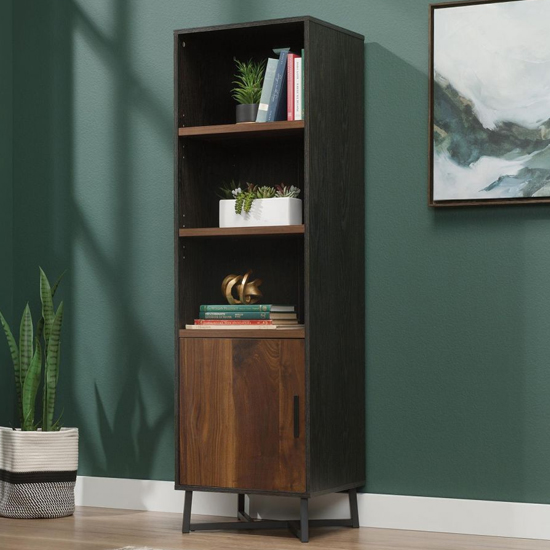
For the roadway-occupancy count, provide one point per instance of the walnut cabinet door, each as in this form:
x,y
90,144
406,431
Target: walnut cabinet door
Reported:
x,y
242,414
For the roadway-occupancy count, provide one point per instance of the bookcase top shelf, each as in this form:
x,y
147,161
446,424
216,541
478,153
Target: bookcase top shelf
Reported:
x,y
295,333
266,26
242,231
261,129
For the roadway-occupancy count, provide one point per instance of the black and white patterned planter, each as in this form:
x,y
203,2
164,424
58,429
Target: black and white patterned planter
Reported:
x,y
37,473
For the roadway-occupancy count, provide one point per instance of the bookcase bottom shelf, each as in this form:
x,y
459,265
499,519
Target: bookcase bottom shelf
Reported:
x,y
244,333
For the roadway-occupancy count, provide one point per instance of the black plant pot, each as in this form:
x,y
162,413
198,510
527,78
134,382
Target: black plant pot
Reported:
x,y
247,112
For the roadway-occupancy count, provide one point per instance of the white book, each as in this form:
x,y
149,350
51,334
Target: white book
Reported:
x,y
298,88
243,327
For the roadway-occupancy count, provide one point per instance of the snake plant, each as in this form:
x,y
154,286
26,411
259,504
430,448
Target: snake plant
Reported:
x,y
33,360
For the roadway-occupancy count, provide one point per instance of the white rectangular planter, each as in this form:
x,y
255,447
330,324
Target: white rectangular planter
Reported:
x,y
37,473
275,211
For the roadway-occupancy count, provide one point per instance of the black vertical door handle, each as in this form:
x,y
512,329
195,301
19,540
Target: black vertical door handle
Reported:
x,y
296,416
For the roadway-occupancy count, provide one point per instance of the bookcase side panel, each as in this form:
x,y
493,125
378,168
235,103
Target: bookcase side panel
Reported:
x,y
335,250
177,313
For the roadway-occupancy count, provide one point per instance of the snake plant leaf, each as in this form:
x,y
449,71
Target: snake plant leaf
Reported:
x,y
45,393
52,368
14,351
47,304
57,425
57,283
40,328
30,389
25,344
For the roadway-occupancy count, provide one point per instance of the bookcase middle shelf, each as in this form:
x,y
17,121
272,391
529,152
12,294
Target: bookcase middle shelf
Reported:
x,y
260,129
275,230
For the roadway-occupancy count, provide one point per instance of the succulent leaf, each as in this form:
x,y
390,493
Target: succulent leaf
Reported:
x,y
239,201
265,192
228,190
287,192
248,200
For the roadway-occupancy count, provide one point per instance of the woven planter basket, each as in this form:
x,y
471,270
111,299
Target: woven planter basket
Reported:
x,y
37,473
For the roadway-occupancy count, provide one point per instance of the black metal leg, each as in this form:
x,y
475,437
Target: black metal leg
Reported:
x,y
298,528
187,512
304,520
354,510
241,514
241,504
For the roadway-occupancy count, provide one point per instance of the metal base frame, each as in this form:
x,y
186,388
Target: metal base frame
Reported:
x,y
299,528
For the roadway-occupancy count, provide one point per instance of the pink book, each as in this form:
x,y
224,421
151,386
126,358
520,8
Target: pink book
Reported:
x,y
290,86
232,322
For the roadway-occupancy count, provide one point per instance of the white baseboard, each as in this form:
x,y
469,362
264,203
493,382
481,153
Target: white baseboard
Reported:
x,y
442,515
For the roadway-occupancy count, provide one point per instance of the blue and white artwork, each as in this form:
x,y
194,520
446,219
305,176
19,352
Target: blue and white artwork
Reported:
x,y
491,101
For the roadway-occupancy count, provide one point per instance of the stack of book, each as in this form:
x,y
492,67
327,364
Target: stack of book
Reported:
x,y
257,316
283,89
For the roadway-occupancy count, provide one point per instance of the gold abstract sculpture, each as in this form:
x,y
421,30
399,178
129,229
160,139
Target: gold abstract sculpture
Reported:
x,y
247,292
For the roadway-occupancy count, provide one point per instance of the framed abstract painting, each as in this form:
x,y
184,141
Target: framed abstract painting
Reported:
x,y
490,103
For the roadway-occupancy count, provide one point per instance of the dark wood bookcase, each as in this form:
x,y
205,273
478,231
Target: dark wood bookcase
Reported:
x,y
281,413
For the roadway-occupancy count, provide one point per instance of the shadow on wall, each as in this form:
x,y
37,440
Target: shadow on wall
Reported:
x,y
100,220
6,203
116,383
128,435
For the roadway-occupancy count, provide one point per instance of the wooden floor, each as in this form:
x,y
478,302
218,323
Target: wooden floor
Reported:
x,y
105,529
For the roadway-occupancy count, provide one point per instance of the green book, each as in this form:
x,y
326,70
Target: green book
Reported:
x,y
248,307
227,307
302,90
245,315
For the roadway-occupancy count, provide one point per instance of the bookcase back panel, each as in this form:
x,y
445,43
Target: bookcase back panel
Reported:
x,y
278,261
206,67
206,166
278,162
205,80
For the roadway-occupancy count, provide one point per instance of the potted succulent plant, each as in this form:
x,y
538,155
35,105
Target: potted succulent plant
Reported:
x,y
251,205
248,89
38,461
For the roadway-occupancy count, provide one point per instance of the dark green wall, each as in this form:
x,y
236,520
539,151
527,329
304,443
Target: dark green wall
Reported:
x,y
6,203
458,378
